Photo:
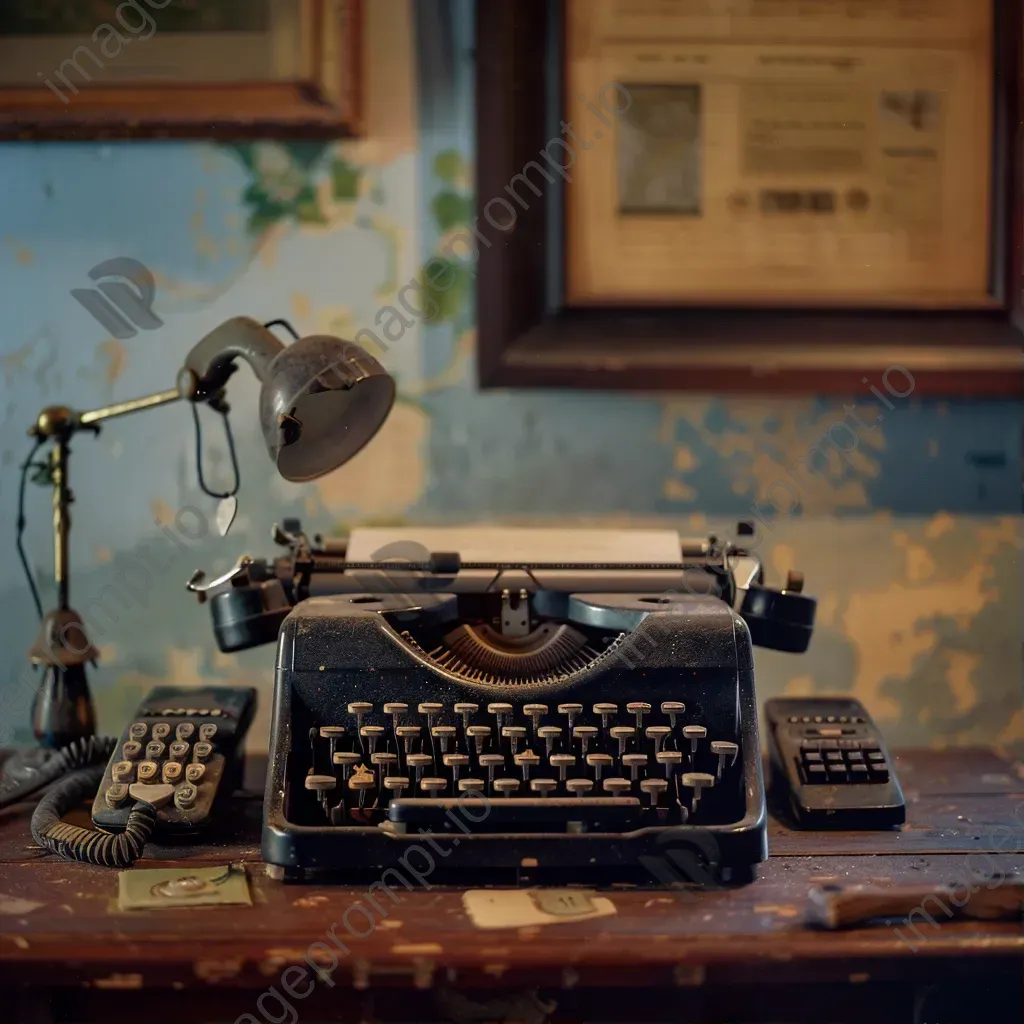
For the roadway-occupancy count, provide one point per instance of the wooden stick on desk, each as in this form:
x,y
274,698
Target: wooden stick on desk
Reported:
x,y
833,906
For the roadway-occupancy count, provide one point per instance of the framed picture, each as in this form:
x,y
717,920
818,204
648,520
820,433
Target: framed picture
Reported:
x,y
751,197
181,68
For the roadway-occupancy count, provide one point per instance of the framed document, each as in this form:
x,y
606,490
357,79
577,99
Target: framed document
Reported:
x,y
766,195
787,152
186,68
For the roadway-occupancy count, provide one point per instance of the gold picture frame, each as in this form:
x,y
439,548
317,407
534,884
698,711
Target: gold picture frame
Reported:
x,y
216,69
786,159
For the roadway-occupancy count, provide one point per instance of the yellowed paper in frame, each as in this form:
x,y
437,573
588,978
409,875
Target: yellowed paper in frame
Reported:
x,y
779,151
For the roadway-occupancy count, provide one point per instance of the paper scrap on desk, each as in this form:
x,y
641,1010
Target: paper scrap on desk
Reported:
x,y
517,908
162,888
13,906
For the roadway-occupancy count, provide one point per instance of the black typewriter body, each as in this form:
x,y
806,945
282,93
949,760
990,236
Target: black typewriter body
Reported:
x,y
696,655
504,723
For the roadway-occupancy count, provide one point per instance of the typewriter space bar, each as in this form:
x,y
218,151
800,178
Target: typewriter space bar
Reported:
x,y
517,814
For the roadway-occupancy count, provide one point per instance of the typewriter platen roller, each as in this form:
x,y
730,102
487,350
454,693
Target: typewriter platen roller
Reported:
x,y
541,719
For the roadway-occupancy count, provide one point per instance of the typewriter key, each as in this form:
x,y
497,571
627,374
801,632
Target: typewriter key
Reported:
x,y
526,760
331,733
478,734
545,787
433,787
579,787
638,709
563,762
571,712
347,759
616,787
418,762
155,750
407,734
371,733
669,758
395,710
456,762
506,787
471,785
634,762
161,730
584,733
467,711
445,735
549,733
653,788
384,761
432,711
697,781
321,785
672,708
694,733
606,711
622,733
123,771
170,772
599,762
492,762
396,784
723,749
535,712
657,734
501,712
514,734
131,750
360,709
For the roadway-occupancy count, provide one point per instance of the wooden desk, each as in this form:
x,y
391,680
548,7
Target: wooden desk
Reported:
x,y
742,954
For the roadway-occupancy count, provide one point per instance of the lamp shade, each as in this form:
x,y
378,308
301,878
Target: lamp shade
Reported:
x,y
322,398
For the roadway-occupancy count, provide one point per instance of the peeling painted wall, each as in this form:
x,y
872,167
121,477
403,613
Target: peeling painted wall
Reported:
x,y
907,527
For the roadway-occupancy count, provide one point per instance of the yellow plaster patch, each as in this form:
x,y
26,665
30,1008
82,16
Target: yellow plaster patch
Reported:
x,y
684,459
116,356
1014,731
22,254
301,305
386,477
102,555
799,686
960,667
940,524
677,490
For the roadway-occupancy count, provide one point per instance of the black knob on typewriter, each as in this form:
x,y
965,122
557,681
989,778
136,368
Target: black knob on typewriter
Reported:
x,y
248,616
779,619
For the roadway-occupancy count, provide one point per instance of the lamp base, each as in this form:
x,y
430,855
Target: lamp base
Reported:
x,y
63,711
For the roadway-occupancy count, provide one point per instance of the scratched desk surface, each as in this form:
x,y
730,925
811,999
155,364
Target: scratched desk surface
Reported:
x,y
68,953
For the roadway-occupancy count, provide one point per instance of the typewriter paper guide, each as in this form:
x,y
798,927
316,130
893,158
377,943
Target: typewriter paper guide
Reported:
x,y
520,545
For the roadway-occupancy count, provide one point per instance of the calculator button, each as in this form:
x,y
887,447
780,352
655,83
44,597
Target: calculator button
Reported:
x,y
879,771
138,730
148,771
836,772
810,744
859,772
131,749
155,750
157,795
829,744
812,757
184,730
203,751
122,771
855,756
194,773
207,731
116,794
830,732
816,773
876,755
849,744
179,751
161,730
834,755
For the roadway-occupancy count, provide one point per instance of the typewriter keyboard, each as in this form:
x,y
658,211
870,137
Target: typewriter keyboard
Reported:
x,y
565,766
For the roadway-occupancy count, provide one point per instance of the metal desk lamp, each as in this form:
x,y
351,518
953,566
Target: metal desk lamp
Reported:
x,y
321,401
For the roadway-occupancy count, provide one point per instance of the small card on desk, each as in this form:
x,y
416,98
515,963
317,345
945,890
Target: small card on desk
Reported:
x,y
163,888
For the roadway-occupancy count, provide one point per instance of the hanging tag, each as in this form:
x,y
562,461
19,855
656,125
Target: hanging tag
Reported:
x,y
226,511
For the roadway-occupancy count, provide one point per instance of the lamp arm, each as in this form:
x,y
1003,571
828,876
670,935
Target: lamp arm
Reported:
x,y
212,359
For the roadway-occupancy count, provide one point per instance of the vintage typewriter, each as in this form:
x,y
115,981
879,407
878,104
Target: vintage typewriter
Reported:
x,y
544,706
